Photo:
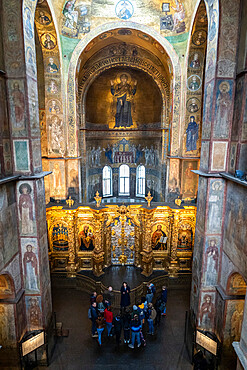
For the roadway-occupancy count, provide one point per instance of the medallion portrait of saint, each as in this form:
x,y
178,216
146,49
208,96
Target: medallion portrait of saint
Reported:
x,y
124,94
86,238
48,41
159,239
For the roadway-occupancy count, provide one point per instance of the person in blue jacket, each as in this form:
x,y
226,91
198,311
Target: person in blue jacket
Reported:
x,y
135,327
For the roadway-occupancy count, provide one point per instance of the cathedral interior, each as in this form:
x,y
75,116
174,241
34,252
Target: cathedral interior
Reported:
x,y
123,155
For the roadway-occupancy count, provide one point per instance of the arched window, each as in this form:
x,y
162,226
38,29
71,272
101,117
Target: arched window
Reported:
x,y
140,181
107,181
124,180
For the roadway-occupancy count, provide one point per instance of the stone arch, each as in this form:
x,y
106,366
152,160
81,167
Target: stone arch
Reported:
x,y
71,89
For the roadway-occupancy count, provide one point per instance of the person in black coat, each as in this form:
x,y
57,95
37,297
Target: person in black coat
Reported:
x,y
125,295
117,324
126,325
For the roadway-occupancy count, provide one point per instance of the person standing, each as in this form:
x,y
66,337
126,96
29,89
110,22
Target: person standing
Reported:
x,y
94,315
93,297
135,331
164,300
108,315
108,297
125,295
100,323
151,318
117,324
126,325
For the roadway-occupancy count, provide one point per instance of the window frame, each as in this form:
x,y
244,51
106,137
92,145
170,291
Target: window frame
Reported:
x,y
124,177
142,179
104,179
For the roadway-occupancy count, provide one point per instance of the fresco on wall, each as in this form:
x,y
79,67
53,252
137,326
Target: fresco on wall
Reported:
x,y
204,155
17,106
21,155
189,179
196,270
7,325
223,108
174,18
192,135
237,116
193,105
52,65
194,82
216,194
48,41
57,181
219,154
207,311
26,208
232,158
236,285
211,64
207,111
86,238
235,231
244,128
173,185
43,17
234,320
34,315
56,135
199,37
76,18
211,263
196,60
201,202
30,265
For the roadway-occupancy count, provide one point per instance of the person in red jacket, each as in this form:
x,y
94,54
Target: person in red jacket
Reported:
x,y
108,315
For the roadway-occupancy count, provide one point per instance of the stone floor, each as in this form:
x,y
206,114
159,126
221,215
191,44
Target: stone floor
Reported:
x,y
165,350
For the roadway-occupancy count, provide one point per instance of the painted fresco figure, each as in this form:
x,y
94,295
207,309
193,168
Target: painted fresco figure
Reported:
x,y
179,14
86,238
193,106
212,256
159,239
26,209
236,321
223,103
71,16
194,85
52,67
30,263
19,103
192,135
43,19
34,313
49,43
124,94
28,25
195,63
207,312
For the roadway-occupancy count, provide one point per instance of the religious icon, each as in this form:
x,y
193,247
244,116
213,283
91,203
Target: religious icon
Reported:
x,y
193,105
71,16
199,37
195,62
191,135
54,106
194,83
159,239
185,238
178,16
28,23
52,88
223,103
207,312
26,209
34,313
212,256
86,238
48,41
43,18
30,264
237,320
189,180
124,93
19,105
124,9
212,27
52,66
57,177
30,60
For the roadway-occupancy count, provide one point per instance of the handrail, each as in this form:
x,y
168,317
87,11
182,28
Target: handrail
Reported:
x,y
88,285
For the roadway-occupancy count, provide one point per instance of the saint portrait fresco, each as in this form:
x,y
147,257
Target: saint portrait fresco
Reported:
x,y
86,238
26,209
207,312
194,83
192,135
18,106
159,239
212,261
199,37
30,264
193,105
52,65
42,17
195,61
124,94
48,41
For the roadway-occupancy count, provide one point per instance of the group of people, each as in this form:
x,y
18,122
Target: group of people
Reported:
x,y
133,322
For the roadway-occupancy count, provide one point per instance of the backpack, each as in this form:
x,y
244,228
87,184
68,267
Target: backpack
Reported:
x,y
89,313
